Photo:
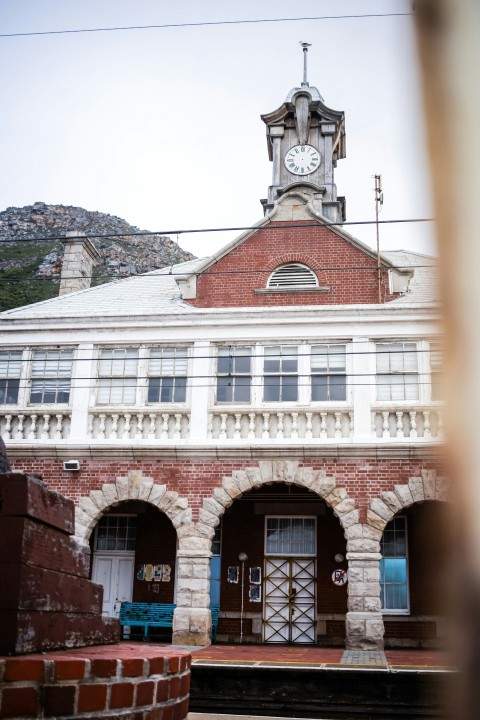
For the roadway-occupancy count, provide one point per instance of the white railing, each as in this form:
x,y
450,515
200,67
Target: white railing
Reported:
x,y
236,423
30,424
138,424
403,422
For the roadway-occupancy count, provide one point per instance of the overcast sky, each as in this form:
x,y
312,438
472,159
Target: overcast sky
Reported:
x,y
162,127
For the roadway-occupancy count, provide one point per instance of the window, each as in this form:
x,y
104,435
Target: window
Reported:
x,y
280,368
167,375
436,370
290,536
291,276
117,383
51,376
397,371
328,372
116,532
393,566
234,376
10,370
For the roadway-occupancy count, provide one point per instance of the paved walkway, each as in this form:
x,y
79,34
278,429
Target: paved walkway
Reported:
x,y
312,656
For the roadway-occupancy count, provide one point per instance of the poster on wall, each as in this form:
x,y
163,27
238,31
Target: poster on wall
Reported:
x,y
232,574
161,572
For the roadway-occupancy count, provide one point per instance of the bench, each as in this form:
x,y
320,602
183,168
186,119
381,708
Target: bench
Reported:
x,y
148,615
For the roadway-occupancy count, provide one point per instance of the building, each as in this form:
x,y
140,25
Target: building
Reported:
x,y
240,430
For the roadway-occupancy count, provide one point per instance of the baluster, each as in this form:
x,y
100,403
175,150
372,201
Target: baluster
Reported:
x,y
440,431
251,426
374,424
101,426
294,433
151,426
238,426
385,425
32,435
266,426
308,425
165,419
58,427
350,425
280,416
223,426
210,425
114,428
19,433
399,415
139,430
90,425
126,428
8,427
178,426
46,427
323,426
413,424
338,424
426,424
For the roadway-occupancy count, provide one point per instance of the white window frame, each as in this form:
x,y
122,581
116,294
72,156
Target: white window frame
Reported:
x,y
175,375
104,551
399,611
329,373
9,375
46,377
234,375
380,349
290,517
113,376
281,374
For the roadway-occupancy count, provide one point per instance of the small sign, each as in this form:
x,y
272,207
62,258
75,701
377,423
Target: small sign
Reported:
x,y
340,577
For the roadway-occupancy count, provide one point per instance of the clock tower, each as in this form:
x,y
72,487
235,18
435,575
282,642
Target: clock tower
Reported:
x,y
305,139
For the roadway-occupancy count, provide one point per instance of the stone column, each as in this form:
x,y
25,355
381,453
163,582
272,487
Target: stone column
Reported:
x,y
192,620
364,623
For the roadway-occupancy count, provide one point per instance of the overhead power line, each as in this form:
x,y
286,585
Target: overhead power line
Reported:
x,y
283,227
213,23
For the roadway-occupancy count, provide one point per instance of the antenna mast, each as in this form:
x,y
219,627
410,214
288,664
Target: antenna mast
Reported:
x,y
378,204
305,47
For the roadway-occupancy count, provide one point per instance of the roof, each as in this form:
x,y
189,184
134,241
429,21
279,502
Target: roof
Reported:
x,y
423,287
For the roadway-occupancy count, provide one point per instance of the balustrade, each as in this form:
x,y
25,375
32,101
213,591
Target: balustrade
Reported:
x,y
29,424
137,424
407,423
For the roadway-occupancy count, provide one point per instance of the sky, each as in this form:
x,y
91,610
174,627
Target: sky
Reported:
x,y
162,126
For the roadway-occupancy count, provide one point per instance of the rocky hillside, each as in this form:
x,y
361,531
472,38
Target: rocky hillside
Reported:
x,y
30,269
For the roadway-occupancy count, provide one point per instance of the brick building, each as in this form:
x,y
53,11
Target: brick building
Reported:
x,y
240,430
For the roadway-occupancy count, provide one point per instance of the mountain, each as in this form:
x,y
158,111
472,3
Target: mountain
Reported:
x,y
30,266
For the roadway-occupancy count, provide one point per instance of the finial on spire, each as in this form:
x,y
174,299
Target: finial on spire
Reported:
x,y
305,47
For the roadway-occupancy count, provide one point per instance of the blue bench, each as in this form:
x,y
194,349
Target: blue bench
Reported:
x,y
146,615
149,615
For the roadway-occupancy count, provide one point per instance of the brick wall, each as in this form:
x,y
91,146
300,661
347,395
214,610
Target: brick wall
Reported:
x,y
111,682
232,281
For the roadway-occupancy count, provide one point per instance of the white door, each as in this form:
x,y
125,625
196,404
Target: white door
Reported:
x,y
115,573
289,614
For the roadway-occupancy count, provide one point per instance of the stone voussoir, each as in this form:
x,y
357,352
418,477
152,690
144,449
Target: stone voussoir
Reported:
x,y
382,509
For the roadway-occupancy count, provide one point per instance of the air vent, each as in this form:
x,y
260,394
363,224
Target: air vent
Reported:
x,y
293,275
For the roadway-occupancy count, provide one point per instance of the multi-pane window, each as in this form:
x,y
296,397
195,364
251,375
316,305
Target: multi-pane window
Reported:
x,y
328,372
10,371
117,376
167,374
51,376
290,536
397,371
234,374
116,532
436,370
393,566
280,367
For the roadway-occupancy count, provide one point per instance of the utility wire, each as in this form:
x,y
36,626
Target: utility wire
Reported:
x,y
205,24
271,226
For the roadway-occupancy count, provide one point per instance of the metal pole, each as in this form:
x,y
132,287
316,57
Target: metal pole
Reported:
x,y
242,557
378,202
305,47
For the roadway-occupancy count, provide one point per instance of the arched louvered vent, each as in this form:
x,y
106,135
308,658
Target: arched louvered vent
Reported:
x,y
293,275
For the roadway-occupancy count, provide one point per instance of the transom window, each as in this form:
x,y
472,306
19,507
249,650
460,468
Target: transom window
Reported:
x,y
290,536
117,372
167,371
280,366
397,371
234,374
393,566
116,532
292,275
328,368
51,376
10,371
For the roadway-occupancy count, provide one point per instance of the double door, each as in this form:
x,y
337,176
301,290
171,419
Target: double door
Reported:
x,y
289,613
115,573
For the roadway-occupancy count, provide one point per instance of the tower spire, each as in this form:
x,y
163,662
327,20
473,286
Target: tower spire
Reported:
x,y
305,47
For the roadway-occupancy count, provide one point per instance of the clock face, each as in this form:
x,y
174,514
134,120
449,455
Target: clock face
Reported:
x,y
302,159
